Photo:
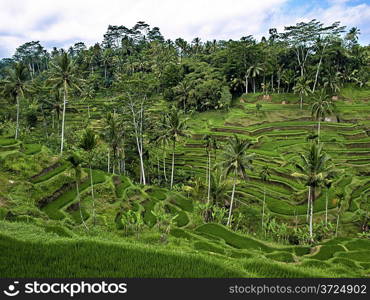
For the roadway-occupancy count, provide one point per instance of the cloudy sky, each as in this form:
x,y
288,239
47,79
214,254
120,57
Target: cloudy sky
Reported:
x,y
62,23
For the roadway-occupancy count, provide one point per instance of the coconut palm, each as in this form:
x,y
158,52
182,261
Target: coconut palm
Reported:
x,y
265,176
219,187
88,143
321,108
314,169
113,133
176,128
162,139
182,91
302,87
210,144
63,76
332,82
76,161
236,161
15,86
253,71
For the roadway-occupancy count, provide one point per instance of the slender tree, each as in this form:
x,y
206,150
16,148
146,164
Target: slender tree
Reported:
x,y
321,108
236,161
113,132
63,75
15,86
302,88
210,144
75,160
176,129
265,176
314,168
253,71
88,143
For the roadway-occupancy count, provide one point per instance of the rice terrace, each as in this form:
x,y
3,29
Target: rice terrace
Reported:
x,y
145,157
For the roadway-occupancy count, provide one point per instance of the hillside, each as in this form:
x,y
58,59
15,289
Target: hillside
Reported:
x,y
142,227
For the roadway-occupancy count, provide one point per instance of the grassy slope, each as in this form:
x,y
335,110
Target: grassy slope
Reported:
x,y
208,251
34,253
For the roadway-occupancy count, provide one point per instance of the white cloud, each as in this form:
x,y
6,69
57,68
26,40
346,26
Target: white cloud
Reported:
x,y
64,22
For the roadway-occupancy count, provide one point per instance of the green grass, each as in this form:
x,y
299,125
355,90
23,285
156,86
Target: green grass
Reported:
x,y
53,208
7,142
52,256
281,256
360,255
181,201
30,149
61,168
327,251
233,239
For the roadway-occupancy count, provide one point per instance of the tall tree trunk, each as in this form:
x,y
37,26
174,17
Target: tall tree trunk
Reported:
x,y
108,169
173,163
17,125
232,201
263,206
92,194
308,203
63,118
311,213
337,226
272,82
254,85
317,75
164,164
326,208
318,131
209,176
301,104
246,84
79,204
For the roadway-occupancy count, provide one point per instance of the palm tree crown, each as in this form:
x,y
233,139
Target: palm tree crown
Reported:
x,y
236,160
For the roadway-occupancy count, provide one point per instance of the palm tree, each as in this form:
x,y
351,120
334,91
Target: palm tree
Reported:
x,y
288,77
62,75
302,87
332,81
210,144
264,175
163,139
15,86
113,135
75,160
253,71
219,187
182,90
236,162
314,169
88,143
176,128
320,108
